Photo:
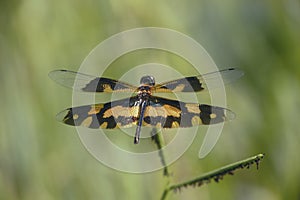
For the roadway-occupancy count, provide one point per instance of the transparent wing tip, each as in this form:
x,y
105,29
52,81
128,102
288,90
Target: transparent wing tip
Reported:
x,y
232,74
56,73
62,116
229,115
63,77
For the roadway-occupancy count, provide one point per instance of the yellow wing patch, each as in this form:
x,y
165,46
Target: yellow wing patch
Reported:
x,y
162,111
121,111
192,108
95,109
87,121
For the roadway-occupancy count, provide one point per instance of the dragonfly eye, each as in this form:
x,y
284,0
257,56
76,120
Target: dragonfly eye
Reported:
x,y
147,80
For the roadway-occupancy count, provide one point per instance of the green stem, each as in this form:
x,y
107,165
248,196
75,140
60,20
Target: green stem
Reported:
x,y
159,141
215,175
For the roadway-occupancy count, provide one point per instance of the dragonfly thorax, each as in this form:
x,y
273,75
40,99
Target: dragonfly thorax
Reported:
x,y
144,92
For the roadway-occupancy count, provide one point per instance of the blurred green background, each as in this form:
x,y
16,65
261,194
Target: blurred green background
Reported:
x,y
43,159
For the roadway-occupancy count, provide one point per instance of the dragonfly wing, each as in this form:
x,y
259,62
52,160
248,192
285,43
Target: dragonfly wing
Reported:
x,y
116,114
88,83
199,83
169,113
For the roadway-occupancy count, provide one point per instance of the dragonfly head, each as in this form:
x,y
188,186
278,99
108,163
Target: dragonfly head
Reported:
x,y
147,80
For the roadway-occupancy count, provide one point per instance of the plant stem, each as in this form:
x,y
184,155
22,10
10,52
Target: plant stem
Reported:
x,y
215,175
159,141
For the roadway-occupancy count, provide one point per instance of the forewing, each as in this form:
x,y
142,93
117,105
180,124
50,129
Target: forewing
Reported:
x,y
169,113
199,83
116,114
88,83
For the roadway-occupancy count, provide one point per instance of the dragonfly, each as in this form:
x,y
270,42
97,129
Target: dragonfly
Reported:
x,y
143,108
